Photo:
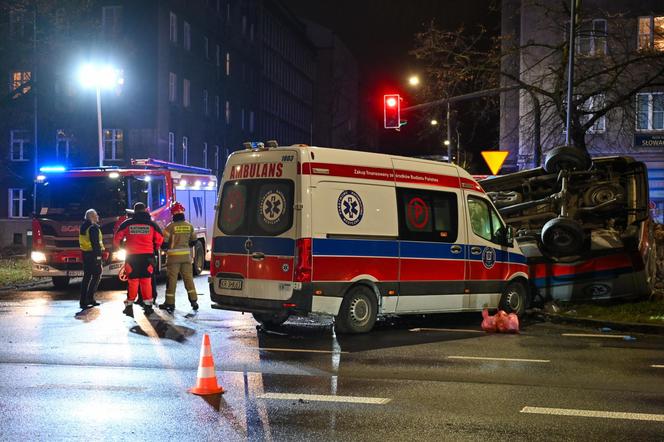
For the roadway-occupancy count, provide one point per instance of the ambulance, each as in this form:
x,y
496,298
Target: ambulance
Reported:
x,y
356,235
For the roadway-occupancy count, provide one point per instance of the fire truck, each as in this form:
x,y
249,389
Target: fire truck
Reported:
x,y
63,195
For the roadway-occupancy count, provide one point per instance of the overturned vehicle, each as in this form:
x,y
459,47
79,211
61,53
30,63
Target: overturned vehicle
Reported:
x,y
584,225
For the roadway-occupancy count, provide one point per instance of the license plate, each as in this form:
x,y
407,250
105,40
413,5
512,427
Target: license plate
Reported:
x,y
74,274
230,284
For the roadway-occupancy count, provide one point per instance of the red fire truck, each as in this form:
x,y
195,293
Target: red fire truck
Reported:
x,y
63,196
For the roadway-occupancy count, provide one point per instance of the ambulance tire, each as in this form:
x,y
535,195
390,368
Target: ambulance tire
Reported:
x,y
358,311
199,258
271,320
514,299
60,282
566,158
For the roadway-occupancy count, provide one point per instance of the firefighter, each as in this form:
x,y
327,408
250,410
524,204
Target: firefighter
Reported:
x,y
179,238
143,236
92,246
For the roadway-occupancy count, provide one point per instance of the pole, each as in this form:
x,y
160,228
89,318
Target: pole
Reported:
x,y
35,122
570,70
101,143
449,135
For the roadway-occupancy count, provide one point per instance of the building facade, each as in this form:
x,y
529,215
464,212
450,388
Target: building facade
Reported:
x,y
609,32
198,78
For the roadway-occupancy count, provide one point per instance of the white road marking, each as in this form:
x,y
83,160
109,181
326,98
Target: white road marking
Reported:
x,y
461,330
325,398
657,366
541,361
297,350
590,335
594,413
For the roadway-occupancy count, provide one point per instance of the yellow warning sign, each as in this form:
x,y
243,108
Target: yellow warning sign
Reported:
x,y
495,159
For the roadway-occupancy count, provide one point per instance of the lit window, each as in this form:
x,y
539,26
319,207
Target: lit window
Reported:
x,y
172,87
174,28
16,203
20,84
228,64
187,36
62,144
205,102
591,39
171,147
650,111
111,21
113,144
185,148
20,141
651,33
186,97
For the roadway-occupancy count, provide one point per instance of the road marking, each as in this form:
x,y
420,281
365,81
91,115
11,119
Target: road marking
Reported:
x,y
541,361
594,413
325,398
590,335
657,366
297,350
461,330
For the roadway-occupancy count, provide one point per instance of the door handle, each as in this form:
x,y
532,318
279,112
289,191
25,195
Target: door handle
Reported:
x,y
455,249
475,250
258,256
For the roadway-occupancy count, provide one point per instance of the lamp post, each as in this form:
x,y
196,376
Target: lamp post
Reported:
x,y
100,77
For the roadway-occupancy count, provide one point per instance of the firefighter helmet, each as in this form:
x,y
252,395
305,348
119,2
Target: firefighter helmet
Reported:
x,y
176,208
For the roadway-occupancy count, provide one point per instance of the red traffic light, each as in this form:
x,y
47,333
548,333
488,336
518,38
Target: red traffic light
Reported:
x,y
392,111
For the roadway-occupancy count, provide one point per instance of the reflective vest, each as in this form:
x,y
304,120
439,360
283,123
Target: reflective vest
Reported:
x,y
179,234
85,243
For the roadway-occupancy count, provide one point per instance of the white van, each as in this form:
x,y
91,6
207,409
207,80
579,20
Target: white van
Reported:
x,y
354,235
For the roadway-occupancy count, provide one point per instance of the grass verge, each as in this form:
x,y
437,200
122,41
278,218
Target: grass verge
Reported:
x,y
649,312
15,271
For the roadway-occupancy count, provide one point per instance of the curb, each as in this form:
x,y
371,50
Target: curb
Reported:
x,y
636,327
25,285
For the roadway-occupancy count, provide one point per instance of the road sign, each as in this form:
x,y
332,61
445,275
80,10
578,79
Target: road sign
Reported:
x,y
495,159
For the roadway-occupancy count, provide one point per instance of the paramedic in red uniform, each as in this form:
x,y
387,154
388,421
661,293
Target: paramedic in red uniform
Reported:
x,y
142,237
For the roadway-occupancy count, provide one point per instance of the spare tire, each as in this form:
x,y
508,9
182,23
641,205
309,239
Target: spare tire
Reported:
x,y
566,157
563,237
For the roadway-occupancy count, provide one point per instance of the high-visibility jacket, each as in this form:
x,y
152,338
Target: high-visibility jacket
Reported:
x,y
142,234
179,235
90,238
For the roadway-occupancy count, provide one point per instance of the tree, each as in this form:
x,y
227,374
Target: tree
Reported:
x,y
609,71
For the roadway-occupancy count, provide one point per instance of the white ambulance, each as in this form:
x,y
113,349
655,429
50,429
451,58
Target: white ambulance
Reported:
x,y
355,235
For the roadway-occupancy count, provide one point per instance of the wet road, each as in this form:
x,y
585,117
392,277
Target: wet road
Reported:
x,y
102,376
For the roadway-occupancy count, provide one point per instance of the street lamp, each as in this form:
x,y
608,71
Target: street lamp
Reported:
x,y
100,77
414,80
434,122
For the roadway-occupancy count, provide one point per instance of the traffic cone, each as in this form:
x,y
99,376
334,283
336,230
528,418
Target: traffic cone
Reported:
x,y
206,379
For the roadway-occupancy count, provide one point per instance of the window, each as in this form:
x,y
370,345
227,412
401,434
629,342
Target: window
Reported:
x,y
205,155
650,111
187,36
206,48
217,110
242,119
173,29
251,33
186,86
205,102
651,33
171,147
592,104
244,25
113,144
185,147
591,40
485,222
17,23
111,21
19,82
426,215
251,121
218,59
228,112
16,203
172,87
157,192
228,64
19,141
62,144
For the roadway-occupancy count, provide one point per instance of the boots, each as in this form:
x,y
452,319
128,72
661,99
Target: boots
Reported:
x,y
148,309
194,305
129,310
170,308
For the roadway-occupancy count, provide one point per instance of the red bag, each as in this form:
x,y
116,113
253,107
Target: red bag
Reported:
x,y
489,322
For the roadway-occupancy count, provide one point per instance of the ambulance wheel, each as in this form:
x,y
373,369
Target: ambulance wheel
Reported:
x,y
514,299
199,258
563,237
358,311
60,282
270,320
566,158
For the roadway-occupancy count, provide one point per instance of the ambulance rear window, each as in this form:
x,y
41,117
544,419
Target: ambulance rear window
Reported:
x,y
256,207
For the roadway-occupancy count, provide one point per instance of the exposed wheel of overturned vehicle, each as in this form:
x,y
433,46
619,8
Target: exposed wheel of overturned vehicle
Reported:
x,y
603,193
563,237
566,157
358,311
271,320
514,298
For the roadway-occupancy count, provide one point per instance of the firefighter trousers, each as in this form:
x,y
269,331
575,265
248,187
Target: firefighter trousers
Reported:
x,y
180,268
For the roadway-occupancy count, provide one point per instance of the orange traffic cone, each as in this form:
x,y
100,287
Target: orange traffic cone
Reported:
x,y
206,379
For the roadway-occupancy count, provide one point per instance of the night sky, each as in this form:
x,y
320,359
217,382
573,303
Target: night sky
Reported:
x,y
380,33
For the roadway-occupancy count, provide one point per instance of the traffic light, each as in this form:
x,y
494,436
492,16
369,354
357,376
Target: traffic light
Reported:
x,y
392,111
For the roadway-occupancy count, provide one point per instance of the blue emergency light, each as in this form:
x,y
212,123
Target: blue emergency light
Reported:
x,y
52,169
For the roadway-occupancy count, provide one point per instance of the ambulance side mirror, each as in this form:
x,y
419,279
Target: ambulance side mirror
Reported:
x,y
509,236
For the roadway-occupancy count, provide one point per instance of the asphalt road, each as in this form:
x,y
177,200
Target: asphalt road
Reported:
x,y
103,376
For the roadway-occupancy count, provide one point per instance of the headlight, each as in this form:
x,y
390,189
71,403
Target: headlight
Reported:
x,y
120,255
38,256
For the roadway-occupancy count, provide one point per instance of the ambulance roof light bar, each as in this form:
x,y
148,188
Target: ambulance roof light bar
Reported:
x,y
151,162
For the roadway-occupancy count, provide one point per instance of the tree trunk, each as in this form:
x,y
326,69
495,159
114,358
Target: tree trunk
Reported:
x,y
579,138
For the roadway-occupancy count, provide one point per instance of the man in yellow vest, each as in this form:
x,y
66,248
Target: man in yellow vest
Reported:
x,y
91,244
179,238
